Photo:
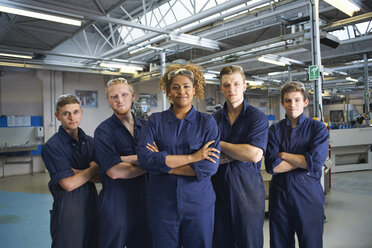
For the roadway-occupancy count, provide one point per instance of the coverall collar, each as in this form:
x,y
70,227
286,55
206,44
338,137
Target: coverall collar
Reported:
x,y
190,116
67,138
300,120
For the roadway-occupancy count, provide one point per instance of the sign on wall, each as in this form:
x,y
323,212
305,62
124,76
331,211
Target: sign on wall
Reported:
x,y
313,72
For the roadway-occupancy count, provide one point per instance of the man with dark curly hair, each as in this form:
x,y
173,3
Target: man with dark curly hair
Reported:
x,y
179,148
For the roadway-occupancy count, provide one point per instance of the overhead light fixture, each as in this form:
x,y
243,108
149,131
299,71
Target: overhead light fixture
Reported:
x,y
254,82
195,41
352,79
346,6
39,15
15,56
123,68
210,76
278,60
136,50
22,65
272,60
276,73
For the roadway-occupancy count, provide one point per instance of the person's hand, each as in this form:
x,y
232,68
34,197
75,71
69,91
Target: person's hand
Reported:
x,y
207,152
153,148
76,171
224,158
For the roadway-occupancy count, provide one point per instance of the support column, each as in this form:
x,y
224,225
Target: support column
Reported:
x,y
163,97
316,58
366,87
52,88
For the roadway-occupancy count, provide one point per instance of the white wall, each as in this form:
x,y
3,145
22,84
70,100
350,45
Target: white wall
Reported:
x,y
21,93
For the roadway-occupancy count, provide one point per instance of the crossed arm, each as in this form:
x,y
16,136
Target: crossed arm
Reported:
x,y
79,178
242,152
290,162
180,164
126,169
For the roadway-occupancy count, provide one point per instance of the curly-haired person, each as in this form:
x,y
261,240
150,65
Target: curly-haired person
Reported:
x,y
179,148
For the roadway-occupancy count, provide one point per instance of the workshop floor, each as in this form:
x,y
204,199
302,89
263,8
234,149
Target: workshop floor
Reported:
x,y
25,203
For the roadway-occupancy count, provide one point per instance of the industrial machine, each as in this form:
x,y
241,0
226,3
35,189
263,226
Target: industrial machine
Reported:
x,y
211,107
142,107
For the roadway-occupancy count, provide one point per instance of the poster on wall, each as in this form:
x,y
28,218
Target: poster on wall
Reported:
x,y
88,99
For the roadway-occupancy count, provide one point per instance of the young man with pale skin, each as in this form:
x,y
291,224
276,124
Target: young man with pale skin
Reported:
x,y
122,205
296,151
240,193
69,158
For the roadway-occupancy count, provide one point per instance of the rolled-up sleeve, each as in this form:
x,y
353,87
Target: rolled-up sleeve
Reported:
x,y
152,162
56,163
318,151
106,152
257,135
271,156
205,168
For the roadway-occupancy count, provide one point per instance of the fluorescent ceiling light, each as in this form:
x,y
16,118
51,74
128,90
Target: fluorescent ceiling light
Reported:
x,y
210,76
195,41
346,6
123,68
24,65
268,59
276,73
352,79
136,50
39,15
254,82
15,56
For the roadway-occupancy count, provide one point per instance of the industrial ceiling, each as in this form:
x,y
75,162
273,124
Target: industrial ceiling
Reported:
x,y
232,32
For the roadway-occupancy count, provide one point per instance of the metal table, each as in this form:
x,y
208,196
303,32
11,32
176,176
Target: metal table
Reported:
x,y
8,149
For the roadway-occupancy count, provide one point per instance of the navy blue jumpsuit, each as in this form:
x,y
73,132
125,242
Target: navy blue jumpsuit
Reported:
x,y
181,208
121,204
73,221
240,192
296,201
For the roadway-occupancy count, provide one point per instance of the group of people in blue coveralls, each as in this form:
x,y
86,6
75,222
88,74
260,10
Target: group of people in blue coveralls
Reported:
x,y
186,178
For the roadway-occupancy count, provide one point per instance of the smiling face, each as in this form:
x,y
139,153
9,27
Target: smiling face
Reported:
x,y
70,116
233,87
120,98
182,91
294,104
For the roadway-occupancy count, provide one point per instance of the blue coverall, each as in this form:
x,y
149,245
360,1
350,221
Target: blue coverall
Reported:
x,y
296,200
240,192
73,221
181,208
122,210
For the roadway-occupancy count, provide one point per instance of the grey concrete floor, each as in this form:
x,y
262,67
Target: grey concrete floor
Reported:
x,y
348,206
